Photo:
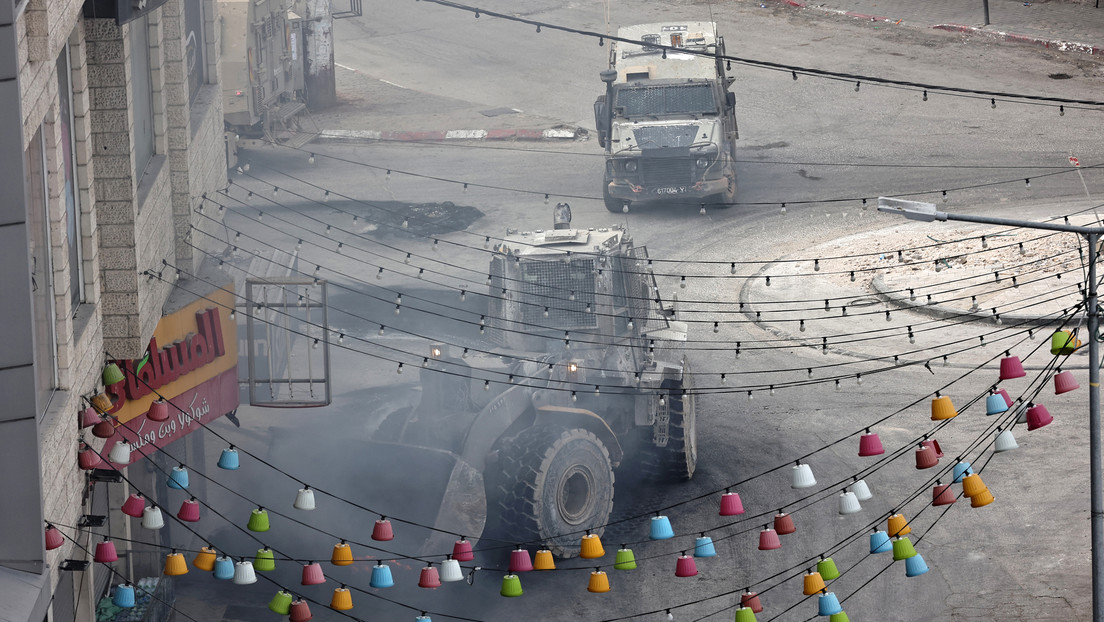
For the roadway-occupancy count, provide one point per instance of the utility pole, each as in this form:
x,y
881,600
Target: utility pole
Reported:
x,y
926,212
319,81
985,11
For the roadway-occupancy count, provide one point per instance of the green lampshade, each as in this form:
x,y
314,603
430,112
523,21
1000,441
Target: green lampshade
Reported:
x,y
112,374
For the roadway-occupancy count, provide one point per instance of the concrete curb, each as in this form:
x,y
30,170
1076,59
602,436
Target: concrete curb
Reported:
x,y
996,35
1000,35
360,136
903,301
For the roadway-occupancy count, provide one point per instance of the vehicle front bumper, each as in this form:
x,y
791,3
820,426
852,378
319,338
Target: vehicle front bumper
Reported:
x,y
628,191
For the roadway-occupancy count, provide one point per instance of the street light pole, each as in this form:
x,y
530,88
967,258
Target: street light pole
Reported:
x,y
915,210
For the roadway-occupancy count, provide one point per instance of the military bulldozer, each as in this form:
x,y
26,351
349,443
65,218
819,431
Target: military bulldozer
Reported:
x,y
581,371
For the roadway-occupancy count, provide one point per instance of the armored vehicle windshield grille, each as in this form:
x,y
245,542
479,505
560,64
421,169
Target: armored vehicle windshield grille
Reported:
x,y
665,171
642,293
548,284
694,98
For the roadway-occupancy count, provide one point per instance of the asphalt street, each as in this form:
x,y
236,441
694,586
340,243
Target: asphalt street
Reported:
x,y
811,151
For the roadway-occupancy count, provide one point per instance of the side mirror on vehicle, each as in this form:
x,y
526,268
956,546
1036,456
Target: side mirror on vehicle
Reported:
x,y
730,98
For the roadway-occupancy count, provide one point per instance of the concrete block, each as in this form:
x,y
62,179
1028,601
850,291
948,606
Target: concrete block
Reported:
x,y
129,348
108,189
115,236
118,304
101,30
118,259
109,144
106,51
108,98
117,166
110,122
107,75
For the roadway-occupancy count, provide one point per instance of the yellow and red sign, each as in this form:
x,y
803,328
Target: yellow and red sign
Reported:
x,y
193,362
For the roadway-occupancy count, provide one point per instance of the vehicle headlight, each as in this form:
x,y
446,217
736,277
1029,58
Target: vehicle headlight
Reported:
x,y
630,166
702,162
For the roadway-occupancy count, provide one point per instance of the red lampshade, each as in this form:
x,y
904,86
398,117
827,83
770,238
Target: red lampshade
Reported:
x,y
189,511
462,551
105,552
134,505
382,530
54,539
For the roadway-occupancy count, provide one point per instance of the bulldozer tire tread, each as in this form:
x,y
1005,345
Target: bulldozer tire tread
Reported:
x,y
678,460
540,494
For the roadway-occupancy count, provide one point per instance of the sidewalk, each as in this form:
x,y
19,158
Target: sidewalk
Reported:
x,y
1055,24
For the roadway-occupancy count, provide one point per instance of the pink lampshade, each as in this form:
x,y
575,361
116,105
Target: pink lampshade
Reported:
x,y
134,505
105,552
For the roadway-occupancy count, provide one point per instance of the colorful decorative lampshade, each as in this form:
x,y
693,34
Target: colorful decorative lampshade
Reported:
x,y
784,523
89,417
768,540
982,499
112,374
205,559
827,569
880,543
381,576
175,565
1037,417
861,490
300,611
661,528
134,505
625,560
429,578
152,518
839,617
599,582
972,485
898,526
520,561
105,552
685,566
88,459
244,574
229,459
591,547
1064,382
462,551
731,505
224,568
178,478
814,583
802,476
934,444
750,600
342,554
1011,367
942,494
120,453
703,547
961,470
189,511
312,574
995,404
1007,398
942,408
258,520
1005,442
828,604
265,560
158,411
54,539
304,500
423,618
450,570
342,599
104,429
1063,342
511,586
101,402
915,566
870,445
744,614
123,596
849,503
925,458
543,560
382,530
281,603
902,548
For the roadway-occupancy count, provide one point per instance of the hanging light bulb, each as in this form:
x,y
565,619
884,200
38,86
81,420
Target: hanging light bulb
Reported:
x,y
326,197
381,329
399,370
801,326
310,160
838,387
716,327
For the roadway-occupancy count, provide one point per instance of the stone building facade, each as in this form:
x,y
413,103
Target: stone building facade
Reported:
x,y
110,133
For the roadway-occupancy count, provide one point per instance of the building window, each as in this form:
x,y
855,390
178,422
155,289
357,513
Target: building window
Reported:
x,y
69,190
141,90
194,46
42,298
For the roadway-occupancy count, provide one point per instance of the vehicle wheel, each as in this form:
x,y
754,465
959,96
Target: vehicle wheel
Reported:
x,y
553,485
678,459
612,204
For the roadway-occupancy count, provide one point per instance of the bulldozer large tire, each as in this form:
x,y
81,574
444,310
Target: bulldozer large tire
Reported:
x,y
678,459
553,485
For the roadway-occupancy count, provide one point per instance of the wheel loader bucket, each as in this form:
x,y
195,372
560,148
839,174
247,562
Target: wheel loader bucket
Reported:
x,y
425,485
